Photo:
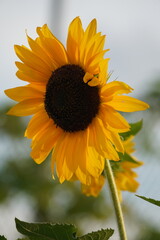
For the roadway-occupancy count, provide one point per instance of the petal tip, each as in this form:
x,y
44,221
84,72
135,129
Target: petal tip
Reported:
x,y
6,92
10,112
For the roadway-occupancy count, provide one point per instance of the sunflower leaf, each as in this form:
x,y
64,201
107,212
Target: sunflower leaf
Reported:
x,y
126,157
49,231
135,128
2,238
151,200
46,231
103,234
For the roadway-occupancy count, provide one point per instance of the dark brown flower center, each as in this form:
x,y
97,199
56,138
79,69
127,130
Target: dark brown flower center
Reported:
x,y
70,102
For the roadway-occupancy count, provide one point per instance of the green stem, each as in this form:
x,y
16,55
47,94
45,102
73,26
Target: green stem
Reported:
x,y
116,201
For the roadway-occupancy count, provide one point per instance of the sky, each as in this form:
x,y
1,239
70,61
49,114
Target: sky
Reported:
x,y
131,27
132,30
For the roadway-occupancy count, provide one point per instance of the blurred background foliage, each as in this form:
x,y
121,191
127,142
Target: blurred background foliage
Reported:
x,y
51,201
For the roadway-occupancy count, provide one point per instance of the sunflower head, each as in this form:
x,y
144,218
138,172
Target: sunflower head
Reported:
x,y
74,108
71,104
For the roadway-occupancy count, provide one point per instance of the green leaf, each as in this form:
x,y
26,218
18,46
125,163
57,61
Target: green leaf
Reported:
x,y
103,234
2,238
23,239
46,231
126,157
49,231
151,200
135,128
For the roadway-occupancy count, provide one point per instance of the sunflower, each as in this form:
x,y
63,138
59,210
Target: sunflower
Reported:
x,y
125,177
74,110
94,188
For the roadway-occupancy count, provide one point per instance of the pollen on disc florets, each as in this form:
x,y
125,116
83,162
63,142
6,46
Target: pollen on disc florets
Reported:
x,y
70,102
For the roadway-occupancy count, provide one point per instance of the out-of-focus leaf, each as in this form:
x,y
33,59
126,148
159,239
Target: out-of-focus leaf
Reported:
x,y
46,231
11,125
23,239
150,233
2,238
103,234
126,157
150,200
135,128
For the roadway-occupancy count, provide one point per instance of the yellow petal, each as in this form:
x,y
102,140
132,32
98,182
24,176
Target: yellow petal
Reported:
x,y
84,177
94,82
104,145
95,46
39,51
45,31
80,154
22,93
67,162
93,64
99,44
75,34
114,119
114,88
94,188
32,60
92,139
90,30
126,183
67,172
74,141
88,76
52,46
27,107
39,87
129,145
57,51
103,71
88,34
128,165
116,140
66,155
44,142
94,163
127,104
31,75
37,123
58,156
